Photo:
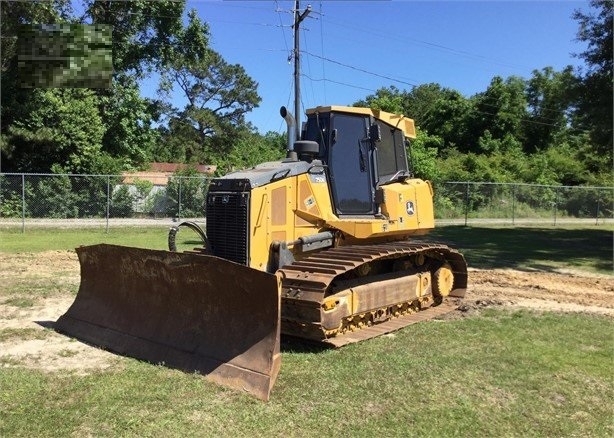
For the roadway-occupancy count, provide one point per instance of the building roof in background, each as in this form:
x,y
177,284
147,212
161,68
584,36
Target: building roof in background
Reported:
x,y
160,173
173,167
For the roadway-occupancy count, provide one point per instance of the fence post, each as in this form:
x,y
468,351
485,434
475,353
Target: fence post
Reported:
x,y
23,203
556,202
108,200
513,204
466,201
179,200
597,212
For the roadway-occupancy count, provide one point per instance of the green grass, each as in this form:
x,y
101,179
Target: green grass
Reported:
x,y
19,301
12,334
586,248
499,374
43,239
544,249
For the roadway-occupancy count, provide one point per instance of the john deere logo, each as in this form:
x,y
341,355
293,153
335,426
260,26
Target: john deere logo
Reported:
x,y
410,208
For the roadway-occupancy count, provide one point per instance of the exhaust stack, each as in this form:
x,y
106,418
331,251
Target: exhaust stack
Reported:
x,y
292,137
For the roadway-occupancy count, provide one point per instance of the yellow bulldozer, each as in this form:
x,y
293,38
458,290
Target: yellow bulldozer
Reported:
x,y
316,246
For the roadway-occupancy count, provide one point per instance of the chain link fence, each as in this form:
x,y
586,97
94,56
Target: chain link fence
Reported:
x,y
105,200
473,203
98,200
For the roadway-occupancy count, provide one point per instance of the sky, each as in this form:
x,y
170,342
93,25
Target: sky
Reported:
x,y
356,47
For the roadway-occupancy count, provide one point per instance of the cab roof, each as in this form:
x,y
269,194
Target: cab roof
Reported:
x,y
401,122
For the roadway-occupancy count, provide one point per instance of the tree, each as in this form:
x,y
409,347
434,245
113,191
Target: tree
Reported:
x,y
594,94
15,101
218,94
385,99
422,154
142,29
186,192
447,118
56,126
252,149
437,110
501,109
127,118
550,98
15,14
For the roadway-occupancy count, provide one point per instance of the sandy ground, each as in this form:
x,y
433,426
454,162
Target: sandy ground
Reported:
x,y
27,337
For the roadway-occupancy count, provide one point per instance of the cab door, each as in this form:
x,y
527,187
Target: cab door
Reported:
x,y
350,165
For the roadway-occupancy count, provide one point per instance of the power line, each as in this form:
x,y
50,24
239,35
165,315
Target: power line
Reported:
x,y
337,82
390,78
313,94
322,49
282,30
413,85
437,46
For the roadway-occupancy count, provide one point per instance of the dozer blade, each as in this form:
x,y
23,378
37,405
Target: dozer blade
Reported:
x,y
187,311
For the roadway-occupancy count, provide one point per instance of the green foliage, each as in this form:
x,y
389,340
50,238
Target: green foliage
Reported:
x,y
141,30
122,202
218,93
497,167
58,126
186,191
595,105
12,16
53,197
11,204
15,197
550,97
385,99
92,196
422,155
252,149
501,109
79,130
143,188
552,128
516,131
557,164
127,119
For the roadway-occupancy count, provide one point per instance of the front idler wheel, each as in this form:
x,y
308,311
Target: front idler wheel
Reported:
x,y
443,281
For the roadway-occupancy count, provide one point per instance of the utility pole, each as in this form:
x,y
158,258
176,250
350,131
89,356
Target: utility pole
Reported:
x,y
298,18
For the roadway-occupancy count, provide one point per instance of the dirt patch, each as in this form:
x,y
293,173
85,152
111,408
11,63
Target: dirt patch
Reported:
x,y
50,351
27,274
23,309
47,263
548,291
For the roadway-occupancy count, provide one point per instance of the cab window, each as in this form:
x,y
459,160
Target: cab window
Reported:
x,y
391,157
350,167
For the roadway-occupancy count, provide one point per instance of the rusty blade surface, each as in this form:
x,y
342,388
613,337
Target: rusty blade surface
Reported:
x,y
187,311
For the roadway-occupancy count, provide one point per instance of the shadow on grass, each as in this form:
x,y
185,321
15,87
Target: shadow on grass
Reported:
x,y
46,324
544,249
290,344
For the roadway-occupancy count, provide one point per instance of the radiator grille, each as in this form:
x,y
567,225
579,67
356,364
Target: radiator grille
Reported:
x,y
228,225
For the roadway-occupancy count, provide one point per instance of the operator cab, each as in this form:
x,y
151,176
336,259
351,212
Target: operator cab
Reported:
x,y
362,152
